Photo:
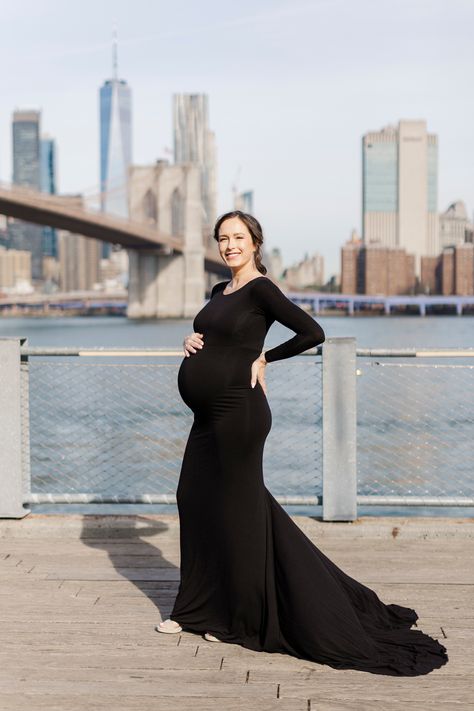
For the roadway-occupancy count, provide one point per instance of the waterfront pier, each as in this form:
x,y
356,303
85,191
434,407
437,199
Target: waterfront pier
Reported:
x,y
81,593
81,596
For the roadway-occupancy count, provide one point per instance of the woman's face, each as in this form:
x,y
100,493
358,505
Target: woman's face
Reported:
x,y
235,243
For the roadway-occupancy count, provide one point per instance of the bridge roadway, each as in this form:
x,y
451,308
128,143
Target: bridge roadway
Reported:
x,y
363,302
81,594
57,211
83,299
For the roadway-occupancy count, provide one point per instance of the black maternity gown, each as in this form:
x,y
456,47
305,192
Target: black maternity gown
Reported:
x,y
249,575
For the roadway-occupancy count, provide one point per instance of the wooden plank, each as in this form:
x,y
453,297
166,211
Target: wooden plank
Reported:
x,y
129,702
202,685
77,624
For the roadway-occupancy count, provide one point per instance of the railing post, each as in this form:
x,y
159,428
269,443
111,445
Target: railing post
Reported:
x,y
11,470
339,430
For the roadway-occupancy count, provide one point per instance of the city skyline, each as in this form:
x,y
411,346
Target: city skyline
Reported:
x,y
290,111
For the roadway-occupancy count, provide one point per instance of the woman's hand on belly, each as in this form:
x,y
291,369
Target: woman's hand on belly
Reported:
x,y
190,343
258,372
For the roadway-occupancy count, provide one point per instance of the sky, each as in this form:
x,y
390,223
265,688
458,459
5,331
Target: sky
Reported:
x,y
293,85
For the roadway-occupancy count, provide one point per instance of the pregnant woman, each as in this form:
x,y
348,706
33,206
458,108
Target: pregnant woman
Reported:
x,y
249,575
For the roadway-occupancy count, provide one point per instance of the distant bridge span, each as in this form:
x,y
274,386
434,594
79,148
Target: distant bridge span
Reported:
x,y
56,211
167,273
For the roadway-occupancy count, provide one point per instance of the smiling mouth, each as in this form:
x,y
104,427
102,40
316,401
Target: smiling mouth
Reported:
x,y
232,255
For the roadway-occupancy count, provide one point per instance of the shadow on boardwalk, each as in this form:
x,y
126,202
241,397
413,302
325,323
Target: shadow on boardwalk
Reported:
x,y
81,595
134,557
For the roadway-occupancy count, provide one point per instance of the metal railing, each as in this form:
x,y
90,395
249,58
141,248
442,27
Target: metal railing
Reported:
x,y
350,427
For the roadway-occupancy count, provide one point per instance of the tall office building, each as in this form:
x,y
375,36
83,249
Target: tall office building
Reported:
x,y
79,257
48,185
400,185
194,142
48,165
115,143
15,269
27,173
26,148
244,201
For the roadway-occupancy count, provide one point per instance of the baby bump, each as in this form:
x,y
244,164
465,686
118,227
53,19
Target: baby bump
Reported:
x,y
204,375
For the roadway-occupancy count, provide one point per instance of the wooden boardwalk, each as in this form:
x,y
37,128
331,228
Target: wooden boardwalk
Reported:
x,y
80,597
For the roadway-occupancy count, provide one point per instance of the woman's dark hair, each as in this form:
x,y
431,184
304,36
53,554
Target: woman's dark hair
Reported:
x,y
255,229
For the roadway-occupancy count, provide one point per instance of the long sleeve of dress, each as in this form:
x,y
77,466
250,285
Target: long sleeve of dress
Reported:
x,y
277,307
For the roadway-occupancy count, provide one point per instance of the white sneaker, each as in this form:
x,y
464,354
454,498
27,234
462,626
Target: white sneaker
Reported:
x,y
210,637
169,627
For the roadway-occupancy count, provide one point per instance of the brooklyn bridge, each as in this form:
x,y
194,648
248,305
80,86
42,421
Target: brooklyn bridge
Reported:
x,y
170,260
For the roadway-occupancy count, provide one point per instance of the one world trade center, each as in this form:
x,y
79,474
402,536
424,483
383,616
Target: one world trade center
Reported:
x,y
115,142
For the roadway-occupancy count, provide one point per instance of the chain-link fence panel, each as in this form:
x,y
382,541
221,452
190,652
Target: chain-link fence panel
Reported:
x,y
415,429
292,461
105,428
120,429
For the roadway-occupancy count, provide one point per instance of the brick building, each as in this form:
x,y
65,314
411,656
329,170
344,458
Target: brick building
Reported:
x,y
451,273
375,269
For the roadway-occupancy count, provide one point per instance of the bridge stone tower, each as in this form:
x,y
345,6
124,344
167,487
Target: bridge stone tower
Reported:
x,y
164,283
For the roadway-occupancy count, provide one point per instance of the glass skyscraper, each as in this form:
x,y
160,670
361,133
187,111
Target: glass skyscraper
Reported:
x,y
380,180
48,185
26,148
26,172
400,186
244,202
115,144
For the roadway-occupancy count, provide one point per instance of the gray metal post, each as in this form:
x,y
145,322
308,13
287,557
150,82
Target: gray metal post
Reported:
x,y
11,484
339,430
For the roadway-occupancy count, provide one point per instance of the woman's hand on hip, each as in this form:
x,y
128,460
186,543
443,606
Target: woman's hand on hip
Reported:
x,y
258,372
190,343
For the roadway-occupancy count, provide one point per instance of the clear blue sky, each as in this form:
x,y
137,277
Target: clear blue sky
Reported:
x,y
293,86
